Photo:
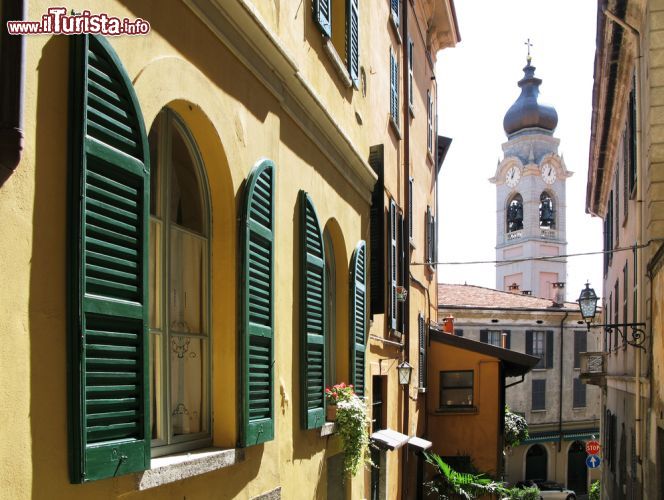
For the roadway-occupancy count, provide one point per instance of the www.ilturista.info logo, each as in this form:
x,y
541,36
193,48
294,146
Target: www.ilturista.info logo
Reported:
x,y
57,22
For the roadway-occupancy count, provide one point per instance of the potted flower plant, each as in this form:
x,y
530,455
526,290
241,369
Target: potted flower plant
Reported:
x,y
352,426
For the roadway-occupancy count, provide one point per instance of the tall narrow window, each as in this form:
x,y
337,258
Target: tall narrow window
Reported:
x,y
547,213
394,8
625,298
429,122
394,89
411,91
579,396
580,345
515,213
393,266
538,395
179,290
421,360
540,343
331,310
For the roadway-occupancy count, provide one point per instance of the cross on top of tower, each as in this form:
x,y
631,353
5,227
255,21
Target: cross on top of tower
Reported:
x,y
528,44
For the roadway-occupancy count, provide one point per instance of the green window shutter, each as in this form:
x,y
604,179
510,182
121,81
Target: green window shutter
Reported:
x,y
484,336
428,243
411,181
422,368
323,16
257,311
312,345
377,230
393,266
109,423
353,45
394,88
358,316
549,348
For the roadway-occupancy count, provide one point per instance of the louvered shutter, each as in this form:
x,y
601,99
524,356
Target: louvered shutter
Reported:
x,y
377,255
358,316
508,339
580,345
427,234
549,348
312,345
422,368
109,422
323,16
401,269
353,45
394,7
394,89
458,332
484,336
393,265
257,306
529,342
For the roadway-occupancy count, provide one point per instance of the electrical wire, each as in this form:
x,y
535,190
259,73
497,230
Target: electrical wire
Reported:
x,y
527,259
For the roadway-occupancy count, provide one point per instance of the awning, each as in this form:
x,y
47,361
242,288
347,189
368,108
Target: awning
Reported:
x,y
420,443
389,439
569,435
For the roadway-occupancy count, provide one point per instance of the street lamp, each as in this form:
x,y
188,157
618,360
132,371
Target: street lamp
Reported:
x,y
404,370
588,305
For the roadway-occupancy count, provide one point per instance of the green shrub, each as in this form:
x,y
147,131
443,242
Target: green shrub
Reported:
x,y
595,491
531,493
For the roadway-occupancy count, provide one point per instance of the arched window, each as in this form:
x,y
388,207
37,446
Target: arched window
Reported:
x,y
547,212
515,213
536,463
179,290
331,305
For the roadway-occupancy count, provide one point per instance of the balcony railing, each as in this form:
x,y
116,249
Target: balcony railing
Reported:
x,y
548,234
515,235
593,368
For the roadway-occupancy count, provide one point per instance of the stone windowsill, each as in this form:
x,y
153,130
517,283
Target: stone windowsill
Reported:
x,y
171,468
338,64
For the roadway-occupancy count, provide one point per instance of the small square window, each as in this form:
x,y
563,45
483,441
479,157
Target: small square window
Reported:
x,y
456,389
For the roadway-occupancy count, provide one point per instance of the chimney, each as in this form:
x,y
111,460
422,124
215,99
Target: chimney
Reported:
x,y
526,292
514,287
558,293
448,324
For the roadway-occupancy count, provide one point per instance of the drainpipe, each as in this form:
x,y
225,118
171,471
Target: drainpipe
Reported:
x,y
560,390
406,261
12,84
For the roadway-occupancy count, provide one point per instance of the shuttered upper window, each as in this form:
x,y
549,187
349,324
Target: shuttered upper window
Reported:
x,y
179,290
339,22
358,318
108,267
313,322
394,89
257,306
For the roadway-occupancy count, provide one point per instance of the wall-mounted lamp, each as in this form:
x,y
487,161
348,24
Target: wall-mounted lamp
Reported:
x,y
588,305
404,370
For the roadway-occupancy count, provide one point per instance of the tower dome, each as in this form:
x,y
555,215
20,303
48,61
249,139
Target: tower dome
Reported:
x,y
526,112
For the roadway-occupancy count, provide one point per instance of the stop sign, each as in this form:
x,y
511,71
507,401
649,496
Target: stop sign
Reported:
x,y
592,447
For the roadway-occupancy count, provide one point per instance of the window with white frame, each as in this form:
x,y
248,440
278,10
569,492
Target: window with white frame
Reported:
x,y
179,290
539,347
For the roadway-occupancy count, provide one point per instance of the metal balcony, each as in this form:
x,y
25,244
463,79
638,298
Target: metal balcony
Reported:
x,y
593,368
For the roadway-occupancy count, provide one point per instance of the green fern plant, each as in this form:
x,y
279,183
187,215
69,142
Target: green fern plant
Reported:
x,y
450,484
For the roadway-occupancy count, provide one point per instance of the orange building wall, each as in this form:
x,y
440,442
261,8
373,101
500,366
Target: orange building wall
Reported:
x,y
473,433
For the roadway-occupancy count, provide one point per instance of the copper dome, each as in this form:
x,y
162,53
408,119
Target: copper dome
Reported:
x,y
526,112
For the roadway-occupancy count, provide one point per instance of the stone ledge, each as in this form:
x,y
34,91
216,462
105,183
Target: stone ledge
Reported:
x,y
171,468
274,494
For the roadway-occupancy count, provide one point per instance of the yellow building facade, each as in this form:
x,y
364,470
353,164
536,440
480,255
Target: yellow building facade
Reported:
x,y
190,193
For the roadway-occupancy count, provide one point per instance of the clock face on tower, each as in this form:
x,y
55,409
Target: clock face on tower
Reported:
x,y
513,176
548,173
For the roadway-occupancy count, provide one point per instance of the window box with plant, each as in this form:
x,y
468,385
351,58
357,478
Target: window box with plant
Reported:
x,y
352,423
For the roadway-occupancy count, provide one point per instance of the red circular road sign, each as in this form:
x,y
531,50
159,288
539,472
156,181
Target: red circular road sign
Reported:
x,y
592,447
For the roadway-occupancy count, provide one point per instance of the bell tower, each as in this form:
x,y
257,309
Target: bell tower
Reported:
x,y
530,196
